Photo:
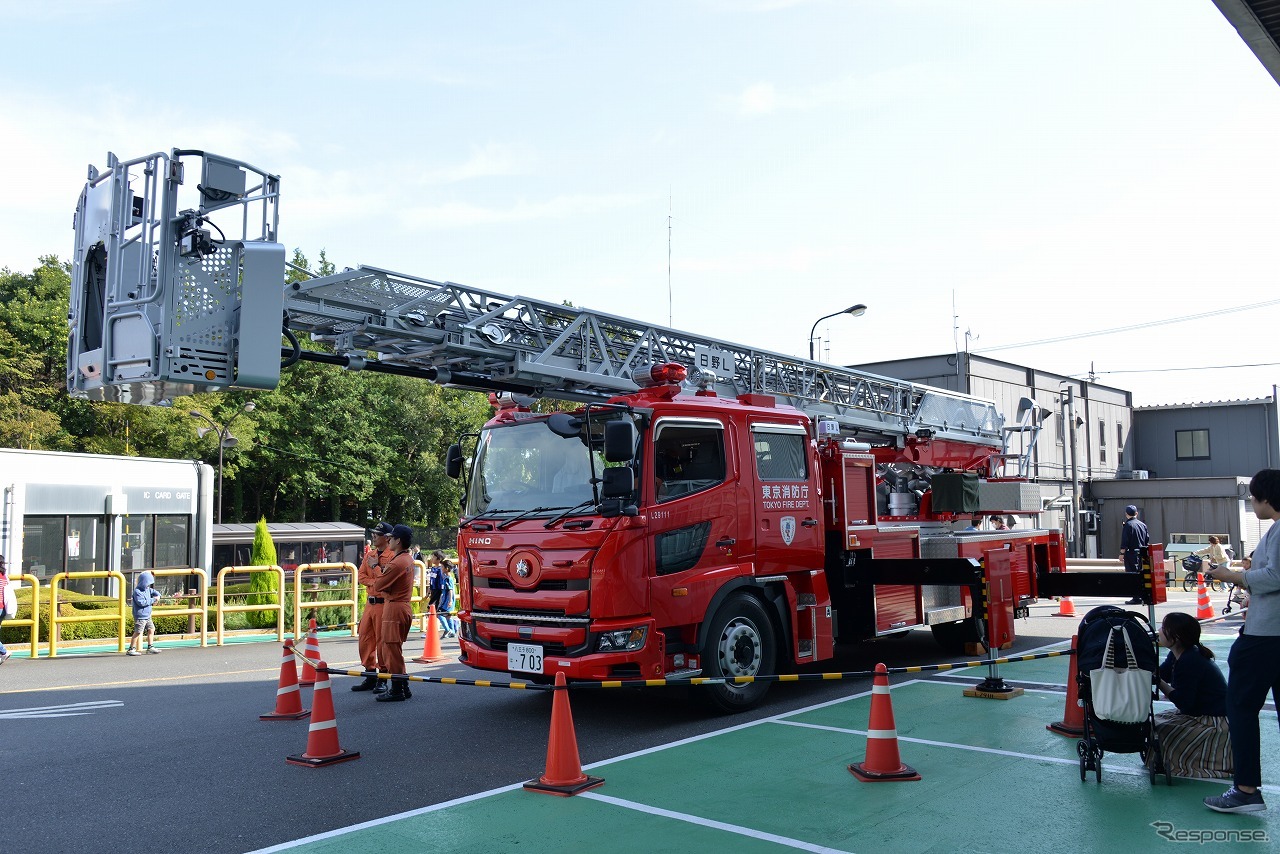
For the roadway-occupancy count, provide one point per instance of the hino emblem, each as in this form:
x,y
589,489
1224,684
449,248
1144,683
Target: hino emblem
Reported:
x,y
522,567
788,529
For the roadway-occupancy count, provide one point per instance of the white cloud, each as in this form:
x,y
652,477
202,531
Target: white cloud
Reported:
x,y
558,207
851,91
486,161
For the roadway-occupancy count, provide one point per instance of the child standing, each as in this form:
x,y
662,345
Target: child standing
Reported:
x,y
144,597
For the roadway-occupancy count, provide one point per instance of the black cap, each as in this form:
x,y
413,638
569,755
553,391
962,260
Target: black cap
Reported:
x,y
383,528
404,534
1131,510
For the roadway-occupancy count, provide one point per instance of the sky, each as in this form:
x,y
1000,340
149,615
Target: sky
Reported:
x,y
983,173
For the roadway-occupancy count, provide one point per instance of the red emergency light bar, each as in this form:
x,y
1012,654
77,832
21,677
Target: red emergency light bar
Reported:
x,y
668,373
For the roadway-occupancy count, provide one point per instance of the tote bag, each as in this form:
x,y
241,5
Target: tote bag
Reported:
x,y
10,604
1120,695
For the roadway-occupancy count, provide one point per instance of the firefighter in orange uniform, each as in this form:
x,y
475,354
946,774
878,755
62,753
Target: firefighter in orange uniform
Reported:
x,y
371,619
395,585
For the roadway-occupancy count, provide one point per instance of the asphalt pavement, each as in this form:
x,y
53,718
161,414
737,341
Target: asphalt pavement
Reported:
x,y
105,752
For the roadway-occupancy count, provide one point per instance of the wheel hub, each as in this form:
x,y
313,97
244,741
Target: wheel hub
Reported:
x,y
740,649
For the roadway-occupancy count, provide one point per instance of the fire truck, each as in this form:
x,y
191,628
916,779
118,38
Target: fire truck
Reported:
x,y
699,507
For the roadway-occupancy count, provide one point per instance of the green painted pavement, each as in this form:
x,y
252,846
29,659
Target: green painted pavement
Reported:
x,y
993,780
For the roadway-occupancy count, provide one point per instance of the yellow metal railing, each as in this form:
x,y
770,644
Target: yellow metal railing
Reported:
x,y
56,620
201,597
224,609
34,621
299,605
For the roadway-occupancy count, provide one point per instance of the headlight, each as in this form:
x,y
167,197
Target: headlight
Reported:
x,y
623,640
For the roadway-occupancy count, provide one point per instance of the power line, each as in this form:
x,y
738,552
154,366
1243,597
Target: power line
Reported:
x,y
1147,325
1200,368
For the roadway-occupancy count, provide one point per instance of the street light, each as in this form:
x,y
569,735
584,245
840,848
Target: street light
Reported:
x,y
225,440
854,310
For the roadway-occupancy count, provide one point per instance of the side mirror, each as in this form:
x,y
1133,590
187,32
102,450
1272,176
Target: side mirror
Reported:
x,y
564,425
453,461
617,482
619,441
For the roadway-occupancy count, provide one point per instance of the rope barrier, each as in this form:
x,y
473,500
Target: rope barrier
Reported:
x,y
699,680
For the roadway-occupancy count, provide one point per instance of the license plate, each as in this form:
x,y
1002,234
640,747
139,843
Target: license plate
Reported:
x,y
524,657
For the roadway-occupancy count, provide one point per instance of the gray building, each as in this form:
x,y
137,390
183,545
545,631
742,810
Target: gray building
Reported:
x,y
1232,438
1086,433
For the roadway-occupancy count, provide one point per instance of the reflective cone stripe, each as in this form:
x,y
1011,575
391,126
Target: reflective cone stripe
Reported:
x,y
288,697
564,769
431,641
322,734
1072,723
1204,608
883,764
310,655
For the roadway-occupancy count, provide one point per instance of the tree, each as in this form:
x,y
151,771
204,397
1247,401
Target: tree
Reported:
x,y
264,587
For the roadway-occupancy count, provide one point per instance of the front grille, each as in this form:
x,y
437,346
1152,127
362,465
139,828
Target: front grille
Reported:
x,y
505,584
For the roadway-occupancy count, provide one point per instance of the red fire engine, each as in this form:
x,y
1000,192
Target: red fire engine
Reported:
x,y
707,509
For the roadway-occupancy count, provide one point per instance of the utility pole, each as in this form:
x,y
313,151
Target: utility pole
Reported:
x,y
1073,523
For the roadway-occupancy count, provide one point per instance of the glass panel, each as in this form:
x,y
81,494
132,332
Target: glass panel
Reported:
x,y
781,456
86,544
172,541
136,536
43,545
689,459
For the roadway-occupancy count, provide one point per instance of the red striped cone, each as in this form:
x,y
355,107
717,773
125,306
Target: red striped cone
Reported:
x,y
1072,723
430,641
882,765
1204,608
288,697
322,736
564,769
310,655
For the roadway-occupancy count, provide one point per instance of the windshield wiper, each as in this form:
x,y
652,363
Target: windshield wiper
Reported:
x,y
507,523
590,502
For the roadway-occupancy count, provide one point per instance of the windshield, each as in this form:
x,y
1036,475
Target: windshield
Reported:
x,y
526,468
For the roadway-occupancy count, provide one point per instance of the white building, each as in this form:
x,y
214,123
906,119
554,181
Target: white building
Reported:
x,y
92,512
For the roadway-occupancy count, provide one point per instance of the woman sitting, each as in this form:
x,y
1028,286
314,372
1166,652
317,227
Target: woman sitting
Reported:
x,y
1194,738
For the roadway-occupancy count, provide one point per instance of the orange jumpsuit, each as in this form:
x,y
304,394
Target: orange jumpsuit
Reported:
x,y
395,584
371,619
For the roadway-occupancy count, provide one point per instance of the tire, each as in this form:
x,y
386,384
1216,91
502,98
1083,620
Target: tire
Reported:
x,y
1084,765
1217,584
1188,583
953,637
740,642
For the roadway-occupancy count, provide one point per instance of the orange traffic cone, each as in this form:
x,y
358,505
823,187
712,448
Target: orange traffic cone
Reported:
x,y
1204,608
310,655
564,770
1072,723
288,697
431,641
882,765
1066,608
322,735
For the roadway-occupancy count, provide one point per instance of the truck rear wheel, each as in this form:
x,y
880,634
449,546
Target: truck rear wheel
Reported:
x,y
953,637
740,642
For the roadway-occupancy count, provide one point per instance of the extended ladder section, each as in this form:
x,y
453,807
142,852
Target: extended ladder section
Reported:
x,y
462,336
474,338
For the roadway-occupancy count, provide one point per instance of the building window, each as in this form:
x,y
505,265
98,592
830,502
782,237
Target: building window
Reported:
x,y
1119,444
1102,441
1192,444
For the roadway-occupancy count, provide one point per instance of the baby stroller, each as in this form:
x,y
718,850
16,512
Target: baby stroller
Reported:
x,y
1113,641
1236,595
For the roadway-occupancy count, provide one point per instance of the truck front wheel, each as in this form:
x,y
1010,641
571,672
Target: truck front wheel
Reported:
x,y
740,642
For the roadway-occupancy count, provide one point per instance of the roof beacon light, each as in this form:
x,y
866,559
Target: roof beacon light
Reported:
x,y
668,373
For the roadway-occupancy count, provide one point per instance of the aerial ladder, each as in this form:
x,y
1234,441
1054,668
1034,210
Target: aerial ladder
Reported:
x,y
178,288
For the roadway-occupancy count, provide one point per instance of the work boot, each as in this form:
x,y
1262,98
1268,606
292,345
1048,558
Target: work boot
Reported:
x,y
370,683
396,694
381,686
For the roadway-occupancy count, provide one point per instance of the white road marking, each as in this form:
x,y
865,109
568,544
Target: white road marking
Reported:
x,y
64,711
